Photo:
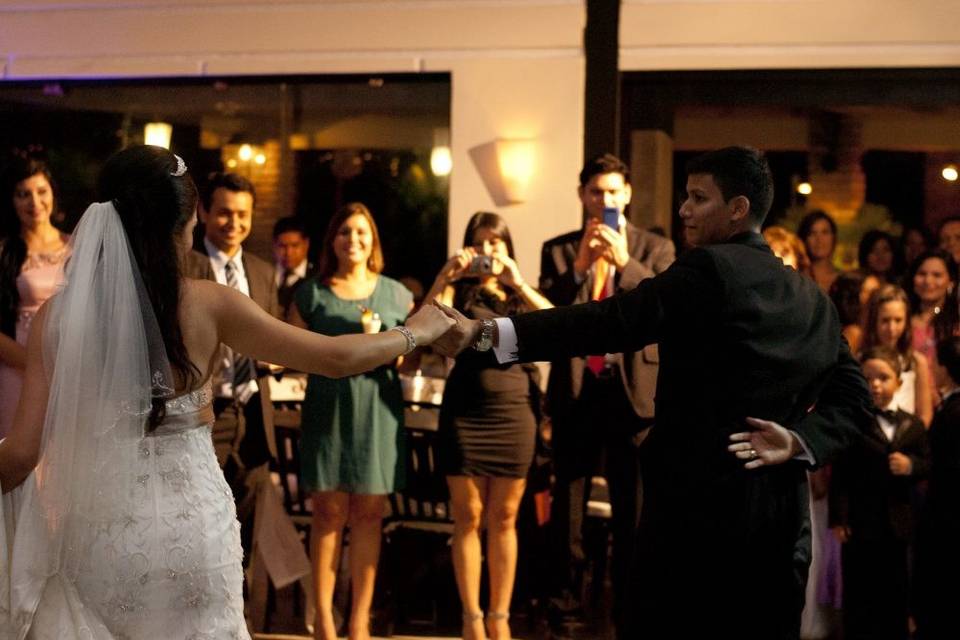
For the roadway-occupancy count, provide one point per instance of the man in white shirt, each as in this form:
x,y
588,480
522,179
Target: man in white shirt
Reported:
x,y
291,244
243,432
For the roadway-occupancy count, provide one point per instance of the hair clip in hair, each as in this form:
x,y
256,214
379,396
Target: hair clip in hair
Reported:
x,y
181,167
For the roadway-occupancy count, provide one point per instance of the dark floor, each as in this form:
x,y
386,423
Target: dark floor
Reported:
x,y
437,616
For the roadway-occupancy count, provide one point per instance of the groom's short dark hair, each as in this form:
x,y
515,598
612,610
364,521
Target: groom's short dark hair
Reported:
x,y
739,171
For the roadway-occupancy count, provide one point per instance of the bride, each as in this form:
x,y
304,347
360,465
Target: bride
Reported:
x,y
124,526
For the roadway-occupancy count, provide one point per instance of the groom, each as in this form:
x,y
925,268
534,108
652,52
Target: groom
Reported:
x,y
723,546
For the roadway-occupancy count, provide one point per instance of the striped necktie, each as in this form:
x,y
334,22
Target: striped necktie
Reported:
x,y
243,367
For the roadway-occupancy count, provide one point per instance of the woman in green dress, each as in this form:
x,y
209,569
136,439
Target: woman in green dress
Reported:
x,y
352,444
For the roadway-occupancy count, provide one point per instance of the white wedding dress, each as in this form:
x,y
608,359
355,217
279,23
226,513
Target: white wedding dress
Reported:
x,y
170,566
121,532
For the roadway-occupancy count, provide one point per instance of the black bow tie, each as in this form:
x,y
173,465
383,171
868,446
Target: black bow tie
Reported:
x,y
888,414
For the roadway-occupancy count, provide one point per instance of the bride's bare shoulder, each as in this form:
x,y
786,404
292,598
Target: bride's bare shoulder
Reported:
x,y
197,295
209,298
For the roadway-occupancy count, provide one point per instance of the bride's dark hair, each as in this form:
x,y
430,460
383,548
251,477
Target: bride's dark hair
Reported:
x,y
154,206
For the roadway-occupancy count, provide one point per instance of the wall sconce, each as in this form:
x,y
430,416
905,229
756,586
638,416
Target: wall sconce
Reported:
x,y
950,173
804,188
158,134
515,159
441,161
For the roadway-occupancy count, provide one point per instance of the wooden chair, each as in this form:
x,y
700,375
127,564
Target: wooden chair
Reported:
x,y
286,473
418,569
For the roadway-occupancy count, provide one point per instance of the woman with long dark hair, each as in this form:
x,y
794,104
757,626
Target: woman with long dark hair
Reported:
x,y
932,286
32,254
487,423
819,234
352,447
126,527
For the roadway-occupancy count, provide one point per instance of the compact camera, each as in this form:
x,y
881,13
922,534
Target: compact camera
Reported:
x,y
481,266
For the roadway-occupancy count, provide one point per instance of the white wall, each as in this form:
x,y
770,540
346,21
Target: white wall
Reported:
x,y
517,65
517,69
783,34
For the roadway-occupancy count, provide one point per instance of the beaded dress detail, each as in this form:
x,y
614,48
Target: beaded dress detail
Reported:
x,y
171,568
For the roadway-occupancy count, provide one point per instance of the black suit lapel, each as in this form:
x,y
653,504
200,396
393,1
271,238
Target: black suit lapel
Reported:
x,y
902,425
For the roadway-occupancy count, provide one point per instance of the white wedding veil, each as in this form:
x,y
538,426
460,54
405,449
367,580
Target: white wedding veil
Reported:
x,y
106,362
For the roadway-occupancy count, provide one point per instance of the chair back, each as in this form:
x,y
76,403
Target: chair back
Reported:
x,y
425,499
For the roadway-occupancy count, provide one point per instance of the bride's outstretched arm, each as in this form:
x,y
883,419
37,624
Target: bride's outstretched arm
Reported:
x,y
245,327
20,450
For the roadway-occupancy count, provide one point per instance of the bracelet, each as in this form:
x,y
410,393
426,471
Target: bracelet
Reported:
x,y
408,335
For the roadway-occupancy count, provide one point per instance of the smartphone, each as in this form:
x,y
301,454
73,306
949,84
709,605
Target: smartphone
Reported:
x,y
611,217
481,265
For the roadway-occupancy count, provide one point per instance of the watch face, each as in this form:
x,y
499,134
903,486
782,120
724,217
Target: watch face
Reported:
x,y
485,339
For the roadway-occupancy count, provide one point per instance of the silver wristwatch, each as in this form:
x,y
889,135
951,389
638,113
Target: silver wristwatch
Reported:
x,y
485,339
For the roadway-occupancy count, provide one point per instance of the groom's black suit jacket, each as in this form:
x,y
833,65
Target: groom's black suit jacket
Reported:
x,y
722,550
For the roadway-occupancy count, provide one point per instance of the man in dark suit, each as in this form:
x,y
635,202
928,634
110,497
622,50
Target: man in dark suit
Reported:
x,y
724,539
602,406
243,432
938,546
291,244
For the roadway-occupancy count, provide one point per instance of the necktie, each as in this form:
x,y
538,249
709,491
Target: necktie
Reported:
x,y
243,367
285,291
601,276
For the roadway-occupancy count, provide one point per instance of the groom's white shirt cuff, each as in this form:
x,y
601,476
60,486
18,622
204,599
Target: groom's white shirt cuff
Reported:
x,y
506,352
506,349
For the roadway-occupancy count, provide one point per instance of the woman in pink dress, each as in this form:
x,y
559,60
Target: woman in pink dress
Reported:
x,y
32,254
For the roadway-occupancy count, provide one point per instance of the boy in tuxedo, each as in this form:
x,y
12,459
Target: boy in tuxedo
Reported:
x,y
871,508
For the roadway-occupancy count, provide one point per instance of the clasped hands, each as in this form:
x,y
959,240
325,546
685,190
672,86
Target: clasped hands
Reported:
x,y
448,330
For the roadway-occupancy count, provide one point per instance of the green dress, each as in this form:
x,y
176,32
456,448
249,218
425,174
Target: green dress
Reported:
x,y
353,438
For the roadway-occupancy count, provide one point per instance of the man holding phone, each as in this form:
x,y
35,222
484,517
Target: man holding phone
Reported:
x,y
601,406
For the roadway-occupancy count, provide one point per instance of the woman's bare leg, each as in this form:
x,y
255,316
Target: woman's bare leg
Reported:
x,y
466,503
366,528
502,505
329,518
